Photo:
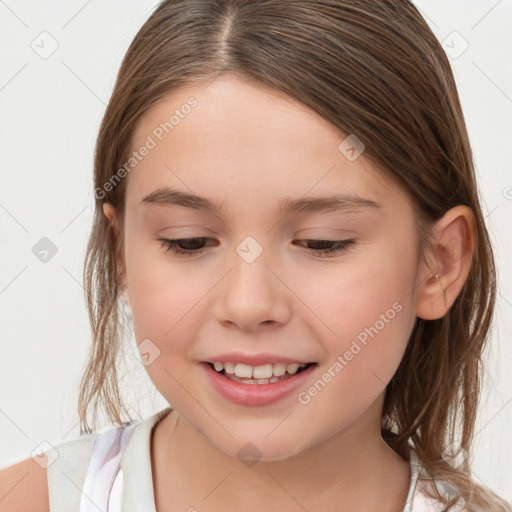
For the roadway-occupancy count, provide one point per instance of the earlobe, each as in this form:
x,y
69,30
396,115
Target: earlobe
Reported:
x,y
452,253
110,213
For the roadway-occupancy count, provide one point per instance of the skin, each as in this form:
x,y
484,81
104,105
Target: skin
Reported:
x,y
249,146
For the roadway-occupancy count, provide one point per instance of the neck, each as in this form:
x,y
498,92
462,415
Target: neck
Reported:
x,y
354,470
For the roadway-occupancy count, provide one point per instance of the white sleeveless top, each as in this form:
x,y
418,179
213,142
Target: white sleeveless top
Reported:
x,y
111,472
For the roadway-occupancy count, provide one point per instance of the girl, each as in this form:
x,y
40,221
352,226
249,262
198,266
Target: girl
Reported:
x,y
286,199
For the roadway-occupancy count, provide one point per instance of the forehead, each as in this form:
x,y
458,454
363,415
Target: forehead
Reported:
x,y
241,142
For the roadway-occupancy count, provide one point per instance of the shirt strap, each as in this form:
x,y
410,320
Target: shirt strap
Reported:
x,y
104,479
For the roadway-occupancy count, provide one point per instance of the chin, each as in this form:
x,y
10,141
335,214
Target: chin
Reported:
x,y
259,450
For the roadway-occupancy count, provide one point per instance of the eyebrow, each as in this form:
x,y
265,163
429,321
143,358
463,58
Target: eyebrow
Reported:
x,y
338,202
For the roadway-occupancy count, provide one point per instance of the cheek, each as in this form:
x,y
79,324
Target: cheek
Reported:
x,y
165,306
164,299
366,312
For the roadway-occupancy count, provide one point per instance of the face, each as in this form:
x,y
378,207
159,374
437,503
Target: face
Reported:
x,y
259,280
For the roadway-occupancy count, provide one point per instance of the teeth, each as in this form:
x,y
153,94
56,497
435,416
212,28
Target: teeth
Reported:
x,y
243,370
261,372
278,369
266,371
256,381
292,368
228,367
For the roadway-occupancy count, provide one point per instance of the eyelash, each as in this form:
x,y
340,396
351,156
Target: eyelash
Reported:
x,y
172,245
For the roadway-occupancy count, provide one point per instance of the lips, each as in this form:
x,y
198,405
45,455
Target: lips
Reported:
x,y
256,392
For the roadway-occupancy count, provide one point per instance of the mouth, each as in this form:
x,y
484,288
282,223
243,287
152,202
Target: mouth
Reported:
x,y
257,386
265,374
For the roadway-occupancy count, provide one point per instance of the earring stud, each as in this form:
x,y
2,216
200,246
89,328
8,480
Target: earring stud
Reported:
x,y
434,277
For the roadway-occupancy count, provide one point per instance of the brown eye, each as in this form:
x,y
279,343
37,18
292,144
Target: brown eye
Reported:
x,y
184,246
339,246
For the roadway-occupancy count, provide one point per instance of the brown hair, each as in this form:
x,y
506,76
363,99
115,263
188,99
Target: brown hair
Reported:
x,y
374,69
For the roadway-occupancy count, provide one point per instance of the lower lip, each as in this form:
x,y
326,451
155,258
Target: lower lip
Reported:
x,y
256,394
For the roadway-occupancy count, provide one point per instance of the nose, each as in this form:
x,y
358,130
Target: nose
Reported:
x,y
253,296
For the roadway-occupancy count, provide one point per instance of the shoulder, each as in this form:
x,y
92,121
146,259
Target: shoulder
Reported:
x,y
424,497
486,499
424,490
42,480
24,486
54,479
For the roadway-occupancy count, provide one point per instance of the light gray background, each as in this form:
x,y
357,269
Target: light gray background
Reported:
x,y
50,113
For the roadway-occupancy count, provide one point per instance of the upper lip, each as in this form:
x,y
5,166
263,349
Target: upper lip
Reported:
x,y
254,359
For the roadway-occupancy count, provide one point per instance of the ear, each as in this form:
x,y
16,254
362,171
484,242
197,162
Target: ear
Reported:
x,y
110,213
450,257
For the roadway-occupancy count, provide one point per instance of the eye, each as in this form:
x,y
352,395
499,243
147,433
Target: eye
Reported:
x,y
195,245
339,246
191,245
